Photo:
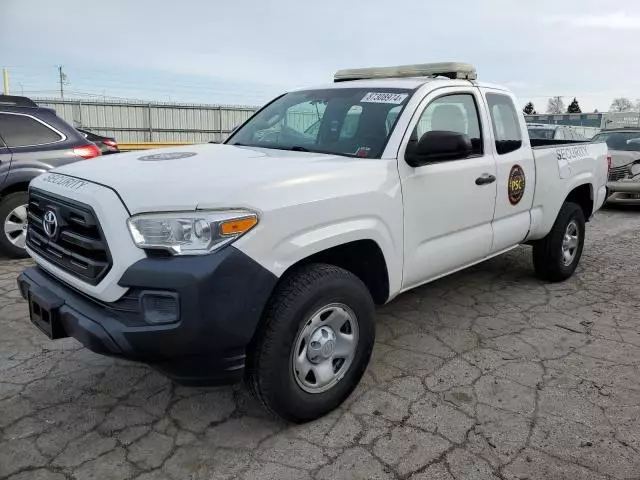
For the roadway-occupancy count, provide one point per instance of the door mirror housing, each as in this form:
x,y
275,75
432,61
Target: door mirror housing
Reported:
x,y
438,146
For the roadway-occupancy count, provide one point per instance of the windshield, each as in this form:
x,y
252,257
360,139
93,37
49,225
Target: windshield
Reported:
x,y
353,122
626,141
541,133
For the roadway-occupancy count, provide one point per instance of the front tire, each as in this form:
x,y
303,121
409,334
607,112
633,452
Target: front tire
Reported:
x,y
13,224
314,344
556,257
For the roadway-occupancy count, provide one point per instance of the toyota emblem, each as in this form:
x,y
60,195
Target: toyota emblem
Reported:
x,y
50,223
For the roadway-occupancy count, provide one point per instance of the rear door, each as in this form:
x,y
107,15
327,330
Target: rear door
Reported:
x,y
5,161
516,170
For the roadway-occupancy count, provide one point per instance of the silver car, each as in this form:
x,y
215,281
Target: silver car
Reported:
x,y
624,176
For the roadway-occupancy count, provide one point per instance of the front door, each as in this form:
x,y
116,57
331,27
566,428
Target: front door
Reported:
x,y
447,210
516,171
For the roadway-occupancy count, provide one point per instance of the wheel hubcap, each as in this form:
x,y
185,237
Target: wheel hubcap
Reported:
x,y
324,348
15,226
570,243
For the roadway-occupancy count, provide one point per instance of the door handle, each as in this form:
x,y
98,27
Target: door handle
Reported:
x,y
485,179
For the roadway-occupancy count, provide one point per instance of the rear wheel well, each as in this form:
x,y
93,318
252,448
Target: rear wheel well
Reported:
x,y
363,258
16,187
583,197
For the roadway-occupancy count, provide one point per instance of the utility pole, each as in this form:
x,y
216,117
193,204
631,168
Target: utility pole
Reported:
x,y
62,80
5,78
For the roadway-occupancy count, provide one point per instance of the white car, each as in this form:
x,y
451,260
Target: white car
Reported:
x,y
264,257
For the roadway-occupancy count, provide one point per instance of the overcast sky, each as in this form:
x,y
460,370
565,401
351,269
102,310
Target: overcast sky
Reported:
x,y
244,52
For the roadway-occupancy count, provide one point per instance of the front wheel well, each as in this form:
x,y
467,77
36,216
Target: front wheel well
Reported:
x,y
16,187
583,197
363,258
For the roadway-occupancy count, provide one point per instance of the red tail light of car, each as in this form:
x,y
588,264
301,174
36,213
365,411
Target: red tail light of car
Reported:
x,y
87,151
110,143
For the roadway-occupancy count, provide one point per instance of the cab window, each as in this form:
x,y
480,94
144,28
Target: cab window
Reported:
x,y
453,113
506,123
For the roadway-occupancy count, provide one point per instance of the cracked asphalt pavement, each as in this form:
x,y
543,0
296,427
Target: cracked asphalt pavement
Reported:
x,y
487,374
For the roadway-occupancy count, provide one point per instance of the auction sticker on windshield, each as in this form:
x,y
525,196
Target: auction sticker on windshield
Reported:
x,y
384,97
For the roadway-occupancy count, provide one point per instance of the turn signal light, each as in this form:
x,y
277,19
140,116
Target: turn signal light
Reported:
x,y
235,227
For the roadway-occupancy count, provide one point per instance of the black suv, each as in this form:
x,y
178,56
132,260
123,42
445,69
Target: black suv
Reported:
x,y
33,140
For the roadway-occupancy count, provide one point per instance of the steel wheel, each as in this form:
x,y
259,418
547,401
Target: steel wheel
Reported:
x,y
324,348
15,226
570,242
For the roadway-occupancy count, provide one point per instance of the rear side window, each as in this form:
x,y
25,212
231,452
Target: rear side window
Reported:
x,y
23,131
506,124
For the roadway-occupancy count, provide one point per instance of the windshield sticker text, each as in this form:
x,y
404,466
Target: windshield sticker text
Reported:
x,y
571,153
382,97
65,182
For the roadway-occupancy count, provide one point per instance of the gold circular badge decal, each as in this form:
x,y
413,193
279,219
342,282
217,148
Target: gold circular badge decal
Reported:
x,y
516,184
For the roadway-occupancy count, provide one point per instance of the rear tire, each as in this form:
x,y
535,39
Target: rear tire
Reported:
x,y
13,217
315,303
556,257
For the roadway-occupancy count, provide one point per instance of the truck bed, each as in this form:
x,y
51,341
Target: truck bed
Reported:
x,y
560,167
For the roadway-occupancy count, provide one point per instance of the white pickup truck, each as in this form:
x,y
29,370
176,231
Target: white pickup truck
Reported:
x,y
263,257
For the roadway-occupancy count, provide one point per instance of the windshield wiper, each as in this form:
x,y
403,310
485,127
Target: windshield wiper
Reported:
x,y
298,148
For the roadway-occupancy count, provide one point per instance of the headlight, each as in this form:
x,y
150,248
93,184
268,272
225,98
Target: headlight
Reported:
x,y
190,233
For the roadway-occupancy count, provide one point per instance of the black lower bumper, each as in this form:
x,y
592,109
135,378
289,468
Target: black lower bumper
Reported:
x,y
220,300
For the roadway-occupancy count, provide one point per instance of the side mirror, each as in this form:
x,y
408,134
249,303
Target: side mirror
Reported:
x,y
438,146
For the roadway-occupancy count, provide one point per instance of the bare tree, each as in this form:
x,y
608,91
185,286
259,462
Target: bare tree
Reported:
x,y
555,106
621,104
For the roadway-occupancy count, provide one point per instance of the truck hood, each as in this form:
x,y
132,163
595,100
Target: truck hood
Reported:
x,y
223,176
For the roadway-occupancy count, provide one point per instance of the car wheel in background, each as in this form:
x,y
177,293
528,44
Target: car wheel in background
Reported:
x,y
13,221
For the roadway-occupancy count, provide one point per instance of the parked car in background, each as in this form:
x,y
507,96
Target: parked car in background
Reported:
x,y
106,145
33,140
543,131
624,177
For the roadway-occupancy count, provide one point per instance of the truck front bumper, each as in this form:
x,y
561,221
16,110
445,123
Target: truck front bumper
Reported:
x,y
192,318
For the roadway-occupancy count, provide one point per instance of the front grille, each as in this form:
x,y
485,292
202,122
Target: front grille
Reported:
x,y
77,245
619,173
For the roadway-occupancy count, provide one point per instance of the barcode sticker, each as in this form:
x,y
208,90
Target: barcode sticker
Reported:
x,y
382,97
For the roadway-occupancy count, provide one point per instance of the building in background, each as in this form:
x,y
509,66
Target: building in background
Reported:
x,y
589,124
